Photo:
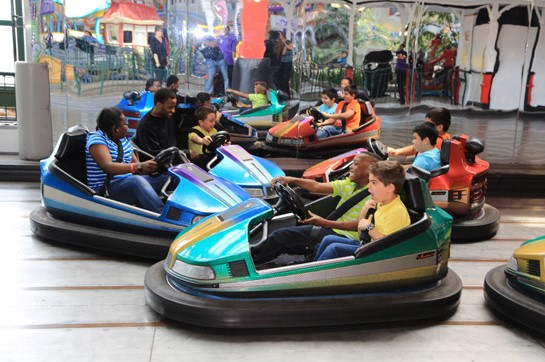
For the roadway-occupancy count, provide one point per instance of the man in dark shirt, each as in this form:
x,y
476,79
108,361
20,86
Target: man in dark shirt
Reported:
x,y
155,131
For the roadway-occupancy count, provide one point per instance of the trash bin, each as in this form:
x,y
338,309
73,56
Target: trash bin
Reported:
x,y
377,71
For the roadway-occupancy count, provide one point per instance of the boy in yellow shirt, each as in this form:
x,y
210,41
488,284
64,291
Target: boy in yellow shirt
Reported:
x,y
386,179
201,135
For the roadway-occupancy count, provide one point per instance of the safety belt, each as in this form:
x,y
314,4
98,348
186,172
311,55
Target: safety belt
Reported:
x,y
340,211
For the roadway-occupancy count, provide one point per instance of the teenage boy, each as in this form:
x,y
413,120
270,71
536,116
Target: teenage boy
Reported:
x,y
386,179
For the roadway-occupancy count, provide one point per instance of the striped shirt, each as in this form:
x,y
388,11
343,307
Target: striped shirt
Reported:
x,y
95,175
345,189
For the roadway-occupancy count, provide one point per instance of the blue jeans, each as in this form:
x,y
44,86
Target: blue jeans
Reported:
x,y
160,74
141,189
211,67
334,246
326,131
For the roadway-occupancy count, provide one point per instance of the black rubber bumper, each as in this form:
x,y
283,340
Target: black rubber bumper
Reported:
x,y
193,307
478,228
511,303
45,225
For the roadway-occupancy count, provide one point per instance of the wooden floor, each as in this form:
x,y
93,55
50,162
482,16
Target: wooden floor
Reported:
x,y
63,303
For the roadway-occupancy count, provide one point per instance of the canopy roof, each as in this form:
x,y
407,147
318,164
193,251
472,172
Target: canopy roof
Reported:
x,y
130,13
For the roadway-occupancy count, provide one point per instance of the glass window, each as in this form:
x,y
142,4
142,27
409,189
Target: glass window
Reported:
x,y
5,10
141,35
113,31
127,36
7,63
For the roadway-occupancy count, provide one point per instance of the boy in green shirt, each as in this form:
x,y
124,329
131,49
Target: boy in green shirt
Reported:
x,y
258,99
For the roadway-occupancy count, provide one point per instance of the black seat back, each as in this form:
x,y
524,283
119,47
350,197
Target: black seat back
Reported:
x,y
445,152
445,159
70,153
412,195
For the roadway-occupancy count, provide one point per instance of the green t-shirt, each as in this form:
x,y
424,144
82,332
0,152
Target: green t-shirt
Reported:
x,y
195,146
258,100
345,189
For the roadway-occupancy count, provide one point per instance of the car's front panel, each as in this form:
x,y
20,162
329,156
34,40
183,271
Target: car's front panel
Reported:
x,y
526,268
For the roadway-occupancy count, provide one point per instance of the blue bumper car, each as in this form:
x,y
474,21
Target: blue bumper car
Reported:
x,y
73,213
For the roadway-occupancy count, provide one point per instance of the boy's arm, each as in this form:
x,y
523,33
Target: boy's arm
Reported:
x,y
403,151
326,122
305,184
238,93
199,140
344,115
330,224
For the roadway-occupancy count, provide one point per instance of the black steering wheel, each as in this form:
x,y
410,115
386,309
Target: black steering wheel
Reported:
x,y
165,159
218,140
289,199
230,97
315,113
378,148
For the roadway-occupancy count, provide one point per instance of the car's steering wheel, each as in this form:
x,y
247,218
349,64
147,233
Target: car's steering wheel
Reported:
x,y
230,97
315,113
218,140
165,159
378,148
289,199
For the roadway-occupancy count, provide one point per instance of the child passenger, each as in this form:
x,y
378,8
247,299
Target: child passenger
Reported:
x,y
424,138
386,179
201,135
258,99
440,117
329,105
348,110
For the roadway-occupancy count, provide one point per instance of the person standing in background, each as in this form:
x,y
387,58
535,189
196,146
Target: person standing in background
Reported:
x,y
214,62
401,76
228,46
283,75
160,60
273,51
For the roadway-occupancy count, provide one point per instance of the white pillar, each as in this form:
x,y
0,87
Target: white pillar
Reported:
x,y
33,110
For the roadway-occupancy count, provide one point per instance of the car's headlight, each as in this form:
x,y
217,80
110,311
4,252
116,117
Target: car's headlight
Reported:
x,y
193,271
512,263
269,137
254,192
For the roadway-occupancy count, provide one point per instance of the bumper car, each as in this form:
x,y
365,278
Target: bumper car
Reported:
x,y
135,105
458,187
73,213
517,290
209,277
299,134
263,118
